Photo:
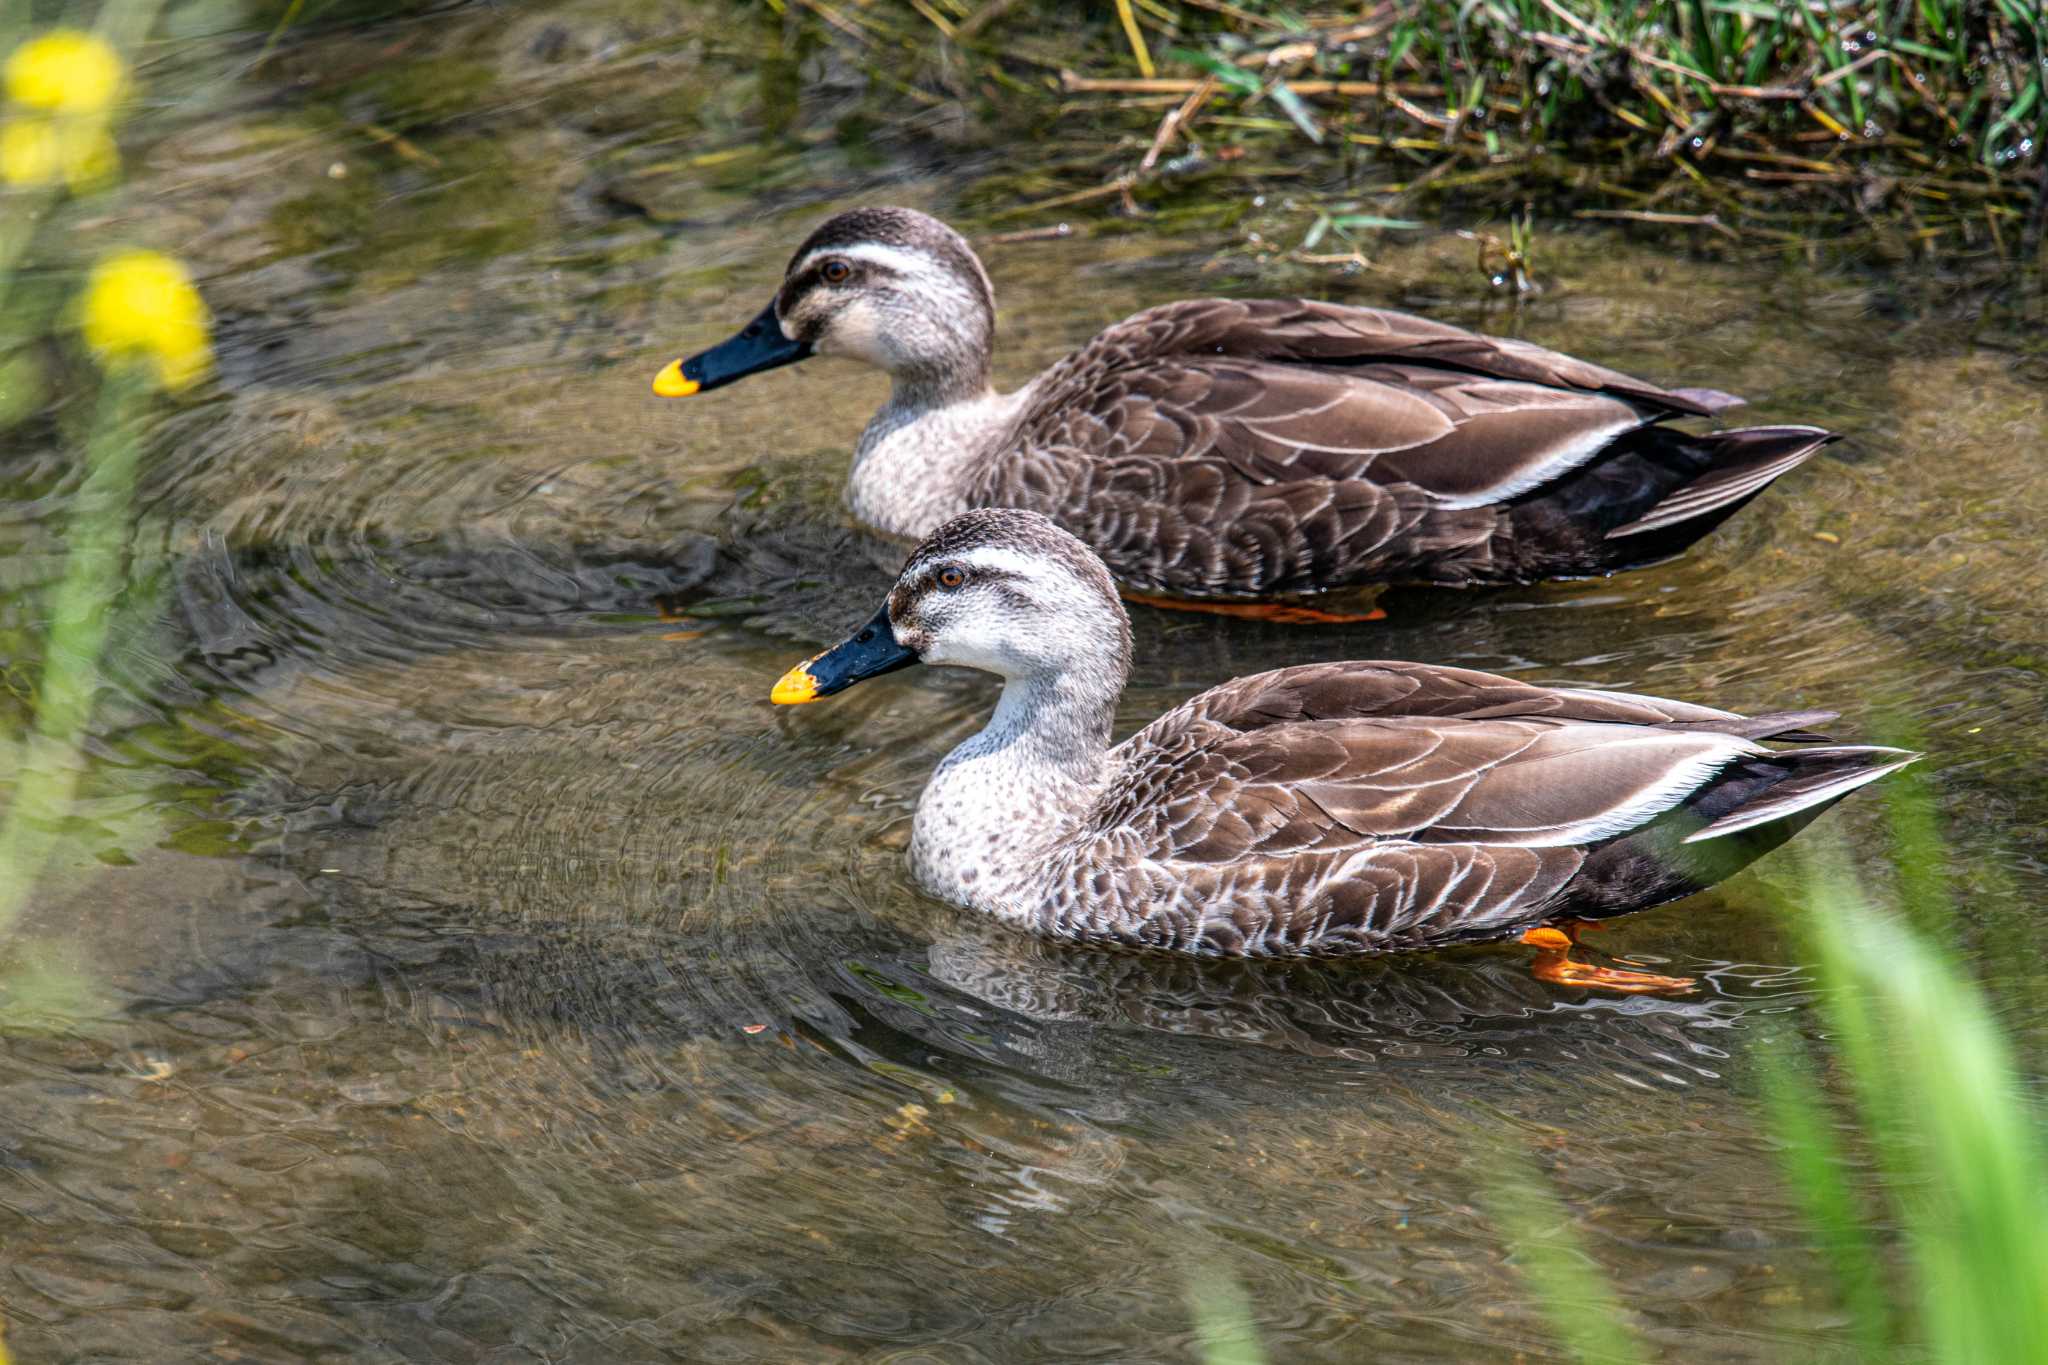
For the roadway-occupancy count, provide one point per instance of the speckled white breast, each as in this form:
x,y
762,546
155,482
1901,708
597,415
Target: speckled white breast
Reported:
x,y
915,465
1005,805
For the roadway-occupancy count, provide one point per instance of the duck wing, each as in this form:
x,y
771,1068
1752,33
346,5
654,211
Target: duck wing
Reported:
x,y
1378,807
1357,689
1305,331
1225,795
1253,447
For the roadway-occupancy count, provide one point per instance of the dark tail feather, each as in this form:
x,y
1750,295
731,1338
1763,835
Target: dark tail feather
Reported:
x,y
1745,462
1751,807
1658,491
1819,778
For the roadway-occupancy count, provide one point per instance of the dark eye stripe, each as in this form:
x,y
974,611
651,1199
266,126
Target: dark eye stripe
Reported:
x,y
865,274
928,582
859,273
976,574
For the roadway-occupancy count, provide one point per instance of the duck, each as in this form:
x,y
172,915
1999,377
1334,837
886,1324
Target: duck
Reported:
x,y
1239,455
1321,810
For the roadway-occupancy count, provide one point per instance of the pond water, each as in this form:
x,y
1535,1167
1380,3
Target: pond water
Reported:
x,y
479,968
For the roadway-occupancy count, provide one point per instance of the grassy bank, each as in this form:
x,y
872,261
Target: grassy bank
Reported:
x,y
1899,127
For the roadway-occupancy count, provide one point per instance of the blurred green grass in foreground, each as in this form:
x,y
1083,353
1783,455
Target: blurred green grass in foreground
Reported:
x,y
1937,1246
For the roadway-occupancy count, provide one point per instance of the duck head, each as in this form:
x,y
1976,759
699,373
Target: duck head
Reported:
x,y
890,287
1003,591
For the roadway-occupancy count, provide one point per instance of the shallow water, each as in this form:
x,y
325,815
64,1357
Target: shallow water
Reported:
x,y
478,968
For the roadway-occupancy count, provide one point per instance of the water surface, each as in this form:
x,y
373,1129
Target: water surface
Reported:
x,y
481,969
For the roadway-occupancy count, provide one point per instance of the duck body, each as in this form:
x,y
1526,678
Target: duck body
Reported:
x,y
1253,449
1360,808
1323,810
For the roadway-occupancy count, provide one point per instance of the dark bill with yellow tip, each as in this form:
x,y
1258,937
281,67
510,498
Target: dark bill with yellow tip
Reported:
x,y
796,687
673,383
758,346
871,652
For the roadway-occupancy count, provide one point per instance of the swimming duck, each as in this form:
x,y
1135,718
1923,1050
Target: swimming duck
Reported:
x,y
1235,451
1327,809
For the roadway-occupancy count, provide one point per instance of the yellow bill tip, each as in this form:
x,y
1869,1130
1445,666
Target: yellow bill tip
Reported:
x,y
670,383
795,687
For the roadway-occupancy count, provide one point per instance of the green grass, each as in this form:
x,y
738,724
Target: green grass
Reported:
x,y
1222,1313
1935,1247
1911,126
1936,1089
1582,1309
1947,73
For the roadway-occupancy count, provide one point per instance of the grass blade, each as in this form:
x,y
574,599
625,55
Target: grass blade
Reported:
x,y
1223,1319
1814,1167
1581,1307
1976,1223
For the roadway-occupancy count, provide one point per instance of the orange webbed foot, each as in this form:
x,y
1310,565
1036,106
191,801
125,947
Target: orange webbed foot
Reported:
x,y
1555,964
1561,969
671,613
1288,615
1282,613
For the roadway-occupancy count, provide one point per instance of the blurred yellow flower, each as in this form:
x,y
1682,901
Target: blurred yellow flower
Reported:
x,y
36,151
29,154
63,85
65,70
142,306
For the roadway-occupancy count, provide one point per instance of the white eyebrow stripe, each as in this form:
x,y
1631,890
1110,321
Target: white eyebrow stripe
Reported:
x,y
1002,560
888,257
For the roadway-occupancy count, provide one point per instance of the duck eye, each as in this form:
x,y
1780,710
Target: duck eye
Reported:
x,y
835,271
951,576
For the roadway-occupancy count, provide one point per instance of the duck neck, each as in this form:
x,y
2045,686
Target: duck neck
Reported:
x,y
957,373
937,350
917,462
1003,800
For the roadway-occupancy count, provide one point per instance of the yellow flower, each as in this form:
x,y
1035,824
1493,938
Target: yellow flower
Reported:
x,y
142,306
29,154
65,70
63,85
37,151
